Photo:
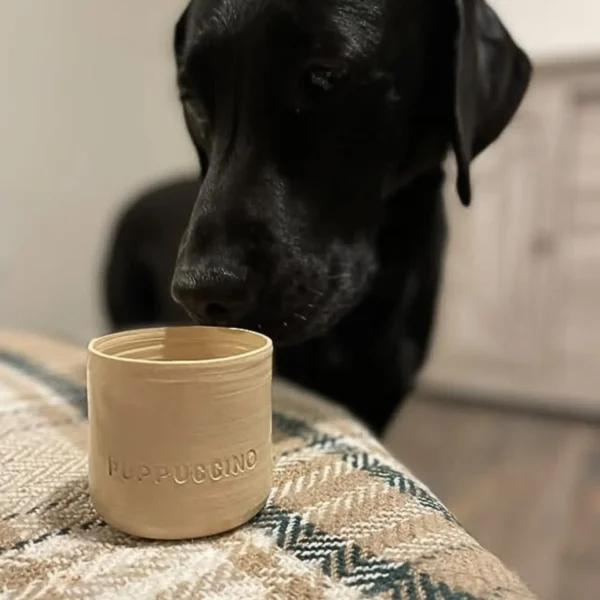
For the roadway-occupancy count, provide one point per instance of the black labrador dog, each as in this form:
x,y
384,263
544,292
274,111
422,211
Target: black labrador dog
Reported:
x,y
321,128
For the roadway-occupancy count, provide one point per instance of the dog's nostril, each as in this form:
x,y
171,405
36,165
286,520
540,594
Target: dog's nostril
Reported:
x,y
213,295
217,312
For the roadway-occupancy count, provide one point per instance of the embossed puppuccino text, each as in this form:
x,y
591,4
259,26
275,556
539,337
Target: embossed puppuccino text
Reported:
x,y
184,473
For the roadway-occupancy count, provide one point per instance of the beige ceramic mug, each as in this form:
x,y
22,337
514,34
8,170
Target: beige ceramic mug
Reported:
x,y
180,429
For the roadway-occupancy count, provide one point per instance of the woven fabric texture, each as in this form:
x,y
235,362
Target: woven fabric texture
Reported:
x,y
344,519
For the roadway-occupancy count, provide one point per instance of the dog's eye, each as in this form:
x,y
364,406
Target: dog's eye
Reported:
x,y
324,77
317,81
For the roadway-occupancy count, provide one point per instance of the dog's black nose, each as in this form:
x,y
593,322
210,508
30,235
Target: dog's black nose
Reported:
x,y
213,294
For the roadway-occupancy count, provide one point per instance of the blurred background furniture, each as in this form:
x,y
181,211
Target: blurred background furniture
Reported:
x,y
520,313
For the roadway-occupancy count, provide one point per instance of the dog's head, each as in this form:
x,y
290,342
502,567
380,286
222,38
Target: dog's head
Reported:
x,y
306,115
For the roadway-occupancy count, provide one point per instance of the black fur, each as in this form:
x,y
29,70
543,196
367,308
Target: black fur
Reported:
x,y
321,127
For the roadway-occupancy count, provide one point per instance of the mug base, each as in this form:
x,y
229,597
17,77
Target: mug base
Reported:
x,y
153,532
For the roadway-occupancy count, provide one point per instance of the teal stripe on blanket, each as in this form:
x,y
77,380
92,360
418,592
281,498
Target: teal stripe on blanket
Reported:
x,y
347,562
73,393
360,460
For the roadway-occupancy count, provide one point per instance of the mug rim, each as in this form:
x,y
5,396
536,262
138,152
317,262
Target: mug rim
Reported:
x,y
265,347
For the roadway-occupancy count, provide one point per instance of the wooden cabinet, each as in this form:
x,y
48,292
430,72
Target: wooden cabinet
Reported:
x,y
580,256
519,317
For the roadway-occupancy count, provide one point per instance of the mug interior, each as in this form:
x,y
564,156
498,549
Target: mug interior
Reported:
x,y
180,344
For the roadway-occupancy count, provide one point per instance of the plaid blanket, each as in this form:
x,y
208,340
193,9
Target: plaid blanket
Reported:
x,y
344,520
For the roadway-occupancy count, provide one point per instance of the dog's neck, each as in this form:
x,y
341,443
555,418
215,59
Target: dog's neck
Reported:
x,y
377,349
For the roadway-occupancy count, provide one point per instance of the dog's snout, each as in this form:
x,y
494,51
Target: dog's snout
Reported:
x,y
213,294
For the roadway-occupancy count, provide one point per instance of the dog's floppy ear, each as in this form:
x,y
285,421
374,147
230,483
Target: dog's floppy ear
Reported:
x,y
491,76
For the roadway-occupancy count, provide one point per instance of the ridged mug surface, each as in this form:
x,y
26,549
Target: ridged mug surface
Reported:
x,y
180,429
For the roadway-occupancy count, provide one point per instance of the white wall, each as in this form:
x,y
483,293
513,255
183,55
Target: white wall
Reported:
x,y
550,29
88,116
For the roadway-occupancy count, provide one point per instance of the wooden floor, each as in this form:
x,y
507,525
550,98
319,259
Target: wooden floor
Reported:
x,y
527,487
